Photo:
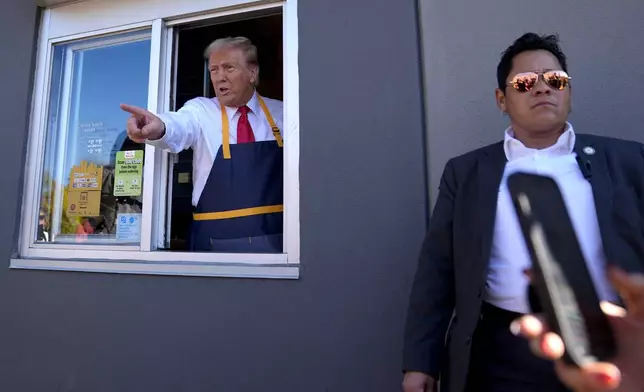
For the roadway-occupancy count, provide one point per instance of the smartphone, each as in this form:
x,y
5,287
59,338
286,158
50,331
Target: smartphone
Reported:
x,y
561,282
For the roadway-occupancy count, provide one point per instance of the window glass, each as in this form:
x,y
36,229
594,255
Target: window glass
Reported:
x,y
92,178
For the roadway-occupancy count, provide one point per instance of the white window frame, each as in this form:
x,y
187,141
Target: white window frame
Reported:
x,y
145,259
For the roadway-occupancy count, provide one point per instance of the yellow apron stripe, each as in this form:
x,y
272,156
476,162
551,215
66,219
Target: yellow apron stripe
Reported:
x,y
271,122
238,213
225,131
225,127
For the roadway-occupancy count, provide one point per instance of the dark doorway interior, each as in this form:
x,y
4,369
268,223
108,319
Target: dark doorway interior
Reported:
x,y
193,80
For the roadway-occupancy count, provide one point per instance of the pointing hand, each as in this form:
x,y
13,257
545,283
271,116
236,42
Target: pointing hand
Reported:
x,y
142,124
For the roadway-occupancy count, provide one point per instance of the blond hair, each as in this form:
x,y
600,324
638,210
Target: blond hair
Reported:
x,y
243,43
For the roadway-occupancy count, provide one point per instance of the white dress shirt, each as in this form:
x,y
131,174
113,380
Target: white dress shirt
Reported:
x,y
197,125
506,284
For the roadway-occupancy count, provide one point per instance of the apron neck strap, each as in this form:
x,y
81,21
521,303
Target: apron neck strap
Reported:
x,y
225,126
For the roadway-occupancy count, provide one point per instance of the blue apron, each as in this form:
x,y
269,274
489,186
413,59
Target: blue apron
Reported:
x,y
241,206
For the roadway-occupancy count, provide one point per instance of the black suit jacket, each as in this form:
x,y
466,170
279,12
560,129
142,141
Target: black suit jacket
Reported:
x,y
453,264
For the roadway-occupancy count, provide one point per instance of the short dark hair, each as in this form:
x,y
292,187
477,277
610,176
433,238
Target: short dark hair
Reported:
x,y
528,42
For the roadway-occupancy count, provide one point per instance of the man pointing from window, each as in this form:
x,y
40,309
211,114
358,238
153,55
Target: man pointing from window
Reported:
x,y
237,167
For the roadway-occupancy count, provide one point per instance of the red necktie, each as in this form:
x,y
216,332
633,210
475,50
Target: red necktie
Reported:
x,y
244,131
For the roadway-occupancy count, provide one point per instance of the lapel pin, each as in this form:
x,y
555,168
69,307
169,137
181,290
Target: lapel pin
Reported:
x,y
588,150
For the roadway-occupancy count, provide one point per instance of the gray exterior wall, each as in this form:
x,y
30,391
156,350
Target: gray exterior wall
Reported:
x,y
462,45
363,204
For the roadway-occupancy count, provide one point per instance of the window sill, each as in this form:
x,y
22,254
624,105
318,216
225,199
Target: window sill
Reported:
x,y
175,268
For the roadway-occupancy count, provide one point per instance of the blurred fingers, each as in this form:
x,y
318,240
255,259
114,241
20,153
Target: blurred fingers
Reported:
x,y
594,377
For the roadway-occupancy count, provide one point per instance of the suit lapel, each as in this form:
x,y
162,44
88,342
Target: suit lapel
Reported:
x,y
592,161
490,172
593,156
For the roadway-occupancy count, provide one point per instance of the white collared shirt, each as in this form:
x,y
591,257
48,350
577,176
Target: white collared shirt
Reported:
x,y
197,125
506,283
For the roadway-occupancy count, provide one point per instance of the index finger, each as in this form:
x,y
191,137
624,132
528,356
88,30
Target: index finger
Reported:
x,y
528,326
135,110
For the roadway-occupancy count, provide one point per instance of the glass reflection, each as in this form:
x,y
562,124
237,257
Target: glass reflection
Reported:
x,y
92,176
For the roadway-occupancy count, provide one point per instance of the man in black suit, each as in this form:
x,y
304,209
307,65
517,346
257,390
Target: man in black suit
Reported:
x,y
470,284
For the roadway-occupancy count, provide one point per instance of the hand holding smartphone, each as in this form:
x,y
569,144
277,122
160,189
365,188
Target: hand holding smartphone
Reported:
x,y
561,281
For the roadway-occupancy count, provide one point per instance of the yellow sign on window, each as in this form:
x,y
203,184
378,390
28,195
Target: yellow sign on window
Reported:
x,y
84,190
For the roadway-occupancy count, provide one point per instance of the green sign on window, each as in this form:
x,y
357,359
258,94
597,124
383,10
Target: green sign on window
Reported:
x,y
128,174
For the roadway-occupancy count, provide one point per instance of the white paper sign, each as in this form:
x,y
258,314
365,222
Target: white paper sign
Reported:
x,y
128,227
